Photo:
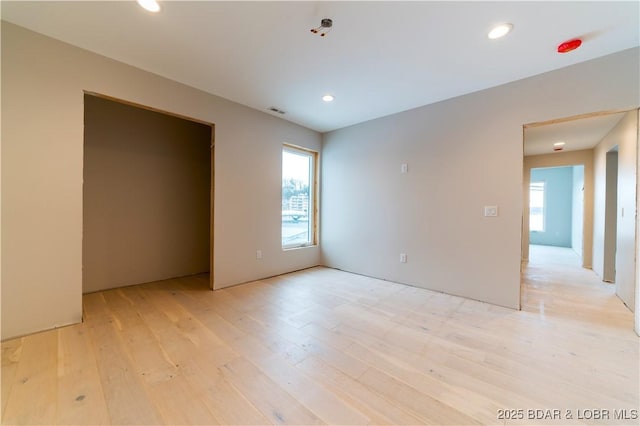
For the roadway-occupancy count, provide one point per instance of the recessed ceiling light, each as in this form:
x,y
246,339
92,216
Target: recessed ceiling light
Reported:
x,y
328,98
150,5
500,31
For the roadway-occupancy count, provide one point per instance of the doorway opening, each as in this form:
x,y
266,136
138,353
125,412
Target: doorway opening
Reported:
x,y
606,145
610,216
147,195
556,208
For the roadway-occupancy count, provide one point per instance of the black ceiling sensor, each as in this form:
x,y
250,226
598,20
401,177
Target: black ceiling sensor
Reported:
x,y
324,28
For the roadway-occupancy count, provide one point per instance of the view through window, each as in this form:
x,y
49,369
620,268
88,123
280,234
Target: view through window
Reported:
x,y
536,206
298,197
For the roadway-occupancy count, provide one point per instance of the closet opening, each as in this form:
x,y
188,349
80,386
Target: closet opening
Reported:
x,y
147,195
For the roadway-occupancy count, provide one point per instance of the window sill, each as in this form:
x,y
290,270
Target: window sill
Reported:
x,y
299,247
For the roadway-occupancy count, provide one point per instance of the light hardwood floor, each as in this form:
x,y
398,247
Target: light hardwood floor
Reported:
x,y
323,346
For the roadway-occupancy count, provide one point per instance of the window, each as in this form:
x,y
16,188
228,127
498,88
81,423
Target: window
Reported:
x,y
299,190
536,206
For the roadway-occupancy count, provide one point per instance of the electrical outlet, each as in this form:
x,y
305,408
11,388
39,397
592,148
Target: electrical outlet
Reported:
x,y
404,168
403,257
258,254
490,211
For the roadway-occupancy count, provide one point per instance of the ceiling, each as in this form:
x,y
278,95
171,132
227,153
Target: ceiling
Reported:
x,y
584,133
380,57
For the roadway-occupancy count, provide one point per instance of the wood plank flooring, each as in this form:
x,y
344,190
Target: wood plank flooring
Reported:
x,y
322,346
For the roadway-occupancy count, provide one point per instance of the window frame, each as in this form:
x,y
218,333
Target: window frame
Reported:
x,y
313,195
543,184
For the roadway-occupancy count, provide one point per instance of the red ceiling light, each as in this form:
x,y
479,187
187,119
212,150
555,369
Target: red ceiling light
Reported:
x,y
570,45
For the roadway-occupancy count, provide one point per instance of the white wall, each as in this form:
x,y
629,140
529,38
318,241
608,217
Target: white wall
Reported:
x,y
577,209
463,154
624,135
42,147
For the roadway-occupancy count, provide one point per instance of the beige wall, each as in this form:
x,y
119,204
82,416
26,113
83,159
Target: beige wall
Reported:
x,y
42,154
624,135
463,154
146,195
558,159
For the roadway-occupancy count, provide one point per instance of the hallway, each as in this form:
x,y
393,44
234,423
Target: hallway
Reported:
x,y
554,285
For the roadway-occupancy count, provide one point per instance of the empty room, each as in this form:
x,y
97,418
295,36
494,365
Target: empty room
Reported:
x,y
319,212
